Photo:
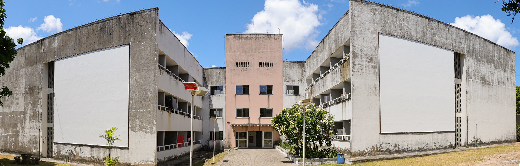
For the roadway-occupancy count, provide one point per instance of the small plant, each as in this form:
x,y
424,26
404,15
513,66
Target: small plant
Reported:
x,y
110,161
110,137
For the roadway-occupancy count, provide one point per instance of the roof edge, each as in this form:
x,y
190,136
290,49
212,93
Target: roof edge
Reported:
x,y
89,24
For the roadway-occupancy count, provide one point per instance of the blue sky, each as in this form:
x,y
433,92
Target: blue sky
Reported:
x,y
202,25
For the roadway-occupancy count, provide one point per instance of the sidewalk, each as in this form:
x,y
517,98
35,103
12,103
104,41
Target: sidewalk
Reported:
x,y
256,157
48,160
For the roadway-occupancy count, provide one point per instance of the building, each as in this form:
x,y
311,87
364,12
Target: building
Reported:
x,y
124,71
399,81
215,102
254,82
395,81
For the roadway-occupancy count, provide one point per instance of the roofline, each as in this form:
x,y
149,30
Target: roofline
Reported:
x,y
406,11
433,19
89,24
215,68
228,34
160,22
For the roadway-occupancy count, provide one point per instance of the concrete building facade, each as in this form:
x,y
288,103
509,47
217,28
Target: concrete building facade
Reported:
x,y
382,49
124,71
394,81
254,82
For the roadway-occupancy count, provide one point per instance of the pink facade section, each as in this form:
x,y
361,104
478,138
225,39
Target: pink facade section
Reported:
x,y
254,60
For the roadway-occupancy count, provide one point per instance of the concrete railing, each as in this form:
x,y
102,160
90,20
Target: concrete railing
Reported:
x,y
342,138
335,101
174,146
332,68
175,111
162,68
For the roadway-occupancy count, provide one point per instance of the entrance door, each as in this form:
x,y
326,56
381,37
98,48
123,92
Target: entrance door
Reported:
x,y
267,142
241,139
258,139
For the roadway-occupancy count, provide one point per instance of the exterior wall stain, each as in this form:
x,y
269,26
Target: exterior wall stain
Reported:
x,y
20,117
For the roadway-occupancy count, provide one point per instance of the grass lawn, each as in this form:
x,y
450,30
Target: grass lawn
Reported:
x,y
218,157
6,160
500,155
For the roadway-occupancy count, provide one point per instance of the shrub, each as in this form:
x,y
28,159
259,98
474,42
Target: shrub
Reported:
x,y
318,131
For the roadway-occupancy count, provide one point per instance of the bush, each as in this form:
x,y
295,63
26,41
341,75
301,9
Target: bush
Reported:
x,y
318,131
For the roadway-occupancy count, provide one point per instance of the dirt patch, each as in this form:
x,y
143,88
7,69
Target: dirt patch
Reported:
x,y
199,157
511,158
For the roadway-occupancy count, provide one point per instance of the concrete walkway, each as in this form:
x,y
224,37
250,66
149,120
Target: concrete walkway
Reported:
x,y
257,157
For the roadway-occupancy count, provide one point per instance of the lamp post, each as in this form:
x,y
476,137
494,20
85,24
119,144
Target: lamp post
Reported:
x,y
195,91
304,104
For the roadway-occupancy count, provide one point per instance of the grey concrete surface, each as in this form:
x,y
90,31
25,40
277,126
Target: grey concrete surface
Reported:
x,y
256,157
20,117
489,71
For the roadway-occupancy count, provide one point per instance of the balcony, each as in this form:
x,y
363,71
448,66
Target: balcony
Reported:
x,y
170,73
342,138
338,73
340,107
169,82
341,141
176,120
164,154
179,112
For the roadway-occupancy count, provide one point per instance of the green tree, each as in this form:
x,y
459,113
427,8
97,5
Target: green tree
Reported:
x,y
517,99
511,7
110,137
7,51
318,131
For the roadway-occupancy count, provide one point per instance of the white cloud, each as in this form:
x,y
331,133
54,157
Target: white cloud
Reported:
x,y
487,27
28,34
330,5
109,0
297,22
184,37
213,66
51,24
410,3
32,19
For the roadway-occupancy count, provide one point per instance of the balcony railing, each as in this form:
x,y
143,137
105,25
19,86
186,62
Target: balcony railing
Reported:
x,y
337,100
175,146
179,112
342,138
332,68
162,68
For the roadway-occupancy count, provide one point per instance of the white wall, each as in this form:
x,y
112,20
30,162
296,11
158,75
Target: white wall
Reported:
x,y
416,87
91,96
175,122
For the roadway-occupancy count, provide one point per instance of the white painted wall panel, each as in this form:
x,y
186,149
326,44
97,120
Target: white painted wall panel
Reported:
x,y
416,87
91,95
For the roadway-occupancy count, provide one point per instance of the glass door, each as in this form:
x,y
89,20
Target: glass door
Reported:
x,y
241,139
268,139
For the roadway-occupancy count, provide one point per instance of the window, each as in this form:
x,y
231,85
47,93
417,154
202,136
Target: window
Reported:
x,y
266,89
265,64
217,90
293,90
216,112
219,135
242,89
242,64
266,112
242,112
